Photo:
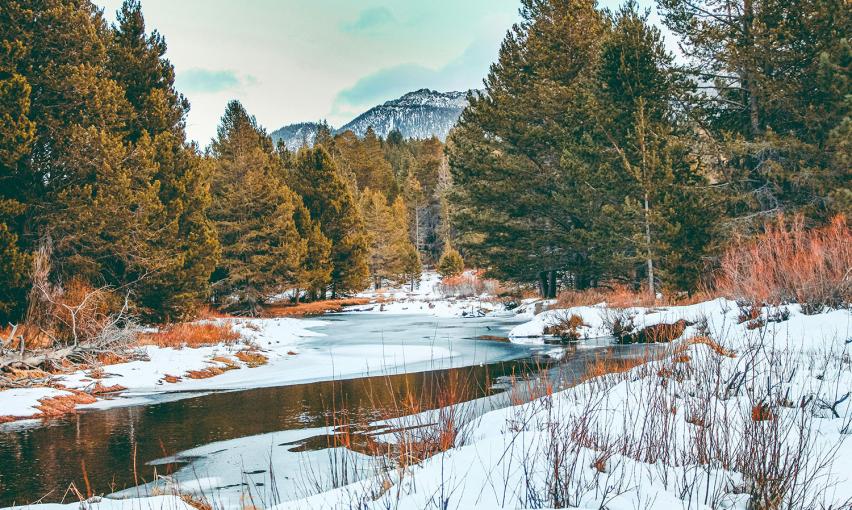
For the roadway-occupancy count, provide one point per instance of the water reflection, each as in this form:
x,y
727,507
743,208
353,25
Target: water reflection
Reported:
x,y
108,445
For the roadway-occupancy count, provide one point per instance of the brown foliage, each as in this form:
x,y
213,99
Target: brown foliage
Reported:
x,y
566,328
761,412
791,263
468,285
311,309
712,344
64,404
191,334
603,365
252,358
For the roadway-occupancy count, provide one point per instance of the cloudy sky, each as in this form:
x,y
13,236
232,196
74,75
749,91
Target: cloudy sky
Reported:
x,y
296,60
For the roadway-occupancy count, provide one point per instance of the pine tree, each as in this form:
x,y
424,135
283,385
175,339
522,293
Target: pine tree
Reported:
x,y
412,268
415,199
314,273
408,266
521,150
331,203
363,160
451,262
378,220
17,133
777,81
185,251
652,166
255,215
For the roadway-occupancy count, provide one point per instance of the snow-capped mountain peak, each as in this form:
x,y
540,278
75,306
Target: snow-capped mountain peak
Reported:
x,y
419,114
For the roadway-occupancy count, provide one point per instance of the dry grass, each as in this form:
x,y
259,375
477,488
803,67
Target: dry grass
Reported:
x,y
604,365
312,308
791,263
64,404
761,412
566,327
251,358
191,334
207,373
623,296
712,344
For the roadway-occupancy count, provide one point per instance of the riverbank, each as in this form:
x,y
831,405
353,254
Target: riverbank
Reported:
x,y
743,405
748,408
268,351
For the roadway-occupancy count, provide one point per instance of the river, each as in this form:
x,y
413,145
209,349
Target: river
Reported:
x,y
102,451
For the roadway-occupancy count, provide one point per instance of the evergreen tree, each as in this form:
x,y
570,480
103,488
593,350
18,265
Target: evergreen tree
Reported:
x,y
314,273
451,262
363,160
776,75
415,199
331,203
384,261
187,247
412,268
652,169
254,213
522,150
16,136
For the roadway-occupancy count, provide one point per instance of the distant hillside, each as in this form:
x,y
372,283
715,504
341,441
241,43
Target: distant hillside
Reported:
x,y
420,114
296,135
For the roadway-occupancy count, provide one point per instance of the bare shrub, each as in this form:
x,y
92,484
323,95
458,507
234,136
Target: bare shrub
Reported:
x,y
469,284
565,326
791,263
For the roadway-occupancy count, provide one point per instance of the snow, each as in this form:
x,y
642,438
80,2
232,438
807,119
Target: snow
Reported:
x,y
296,352
622,441
22,401
509,456
427,299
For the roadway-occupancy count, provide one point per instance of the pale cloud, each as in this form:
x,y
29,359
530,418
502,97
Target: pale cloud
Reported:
x,y
211,81
370,20
291,61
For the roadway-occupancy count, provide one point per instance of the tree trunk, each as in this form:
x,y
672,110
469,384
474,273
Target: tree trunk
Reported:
x,y
748,70
648,244
552,287
543,286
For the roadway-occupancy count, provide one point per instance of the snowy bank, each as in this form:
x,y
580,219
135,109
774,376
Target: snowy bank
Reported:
x,y
427,299
163,370
737,414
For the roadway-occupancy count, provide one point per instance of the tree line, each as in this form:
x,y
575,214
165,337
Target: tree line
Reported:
x,y
100,188
594,156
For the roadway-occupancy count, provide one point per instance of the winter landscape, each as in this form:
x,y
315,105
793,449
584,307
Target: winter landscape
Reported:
x,y
515,254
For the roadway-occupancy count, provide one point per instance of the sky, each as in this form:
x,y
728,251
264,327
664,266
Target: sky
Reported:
x,y
296,60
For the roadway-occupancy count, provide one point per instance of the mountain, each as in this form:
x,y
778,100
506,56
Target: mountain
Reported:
x,y
296,135
420,114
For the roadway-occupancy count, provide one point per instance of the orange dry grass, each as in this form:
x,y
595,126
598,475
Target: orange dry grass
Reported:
x,y
603,365
622,296
469,284
207,373
63,404
789,262
712,344
192,334
311,309
251,358
761,412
